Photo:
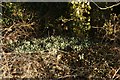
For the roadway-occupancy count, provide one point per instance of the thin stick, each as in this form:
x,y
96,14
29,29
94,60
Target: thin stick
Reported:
x,y
106,7
116,73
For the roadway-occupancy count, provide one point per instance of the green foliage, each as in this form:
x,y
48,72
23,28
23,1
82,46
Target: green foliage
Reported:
x,y
111,28
49,43
15,13
81,17
74,16
14,22
70,53
112,25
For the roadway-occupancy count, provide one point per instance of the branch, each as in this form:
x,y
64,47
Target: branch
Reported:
x,y
2,5
115,73
105,7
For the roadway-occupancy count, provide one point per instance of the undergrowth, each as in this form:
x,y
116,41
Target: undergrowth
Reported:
x,y
49,43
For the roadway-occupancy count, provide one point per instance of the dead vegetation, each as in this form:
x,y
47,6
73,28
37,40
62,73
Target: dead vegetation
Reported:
x,y
98,62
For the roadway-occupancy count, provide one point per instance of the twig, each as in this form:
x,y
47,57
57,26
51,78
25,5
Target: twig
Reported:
x,y
2,5
116,73
67,76
105,7
63,51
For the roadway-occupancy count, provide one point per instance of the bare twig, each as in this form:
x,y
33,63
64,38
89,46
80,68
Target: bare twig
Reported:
x,y
106,7
115,73
67,76
2,5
